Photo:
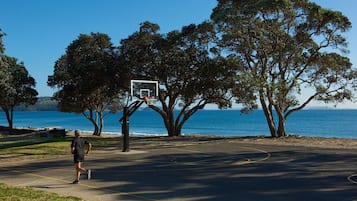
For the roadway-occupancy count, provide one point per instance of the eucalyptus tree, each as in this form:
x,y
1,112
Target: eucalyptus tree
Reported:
x,y
17,87
190,76
282,47
89,78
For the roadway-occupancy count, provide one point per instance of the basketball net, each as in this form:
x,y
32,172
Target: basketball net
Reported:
x,y
149,100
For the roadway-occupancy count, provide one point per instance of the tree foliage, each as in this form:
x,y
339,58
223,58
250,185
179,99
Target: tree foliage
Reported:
x,y
16,86
189,75
89,78
2,49
282,47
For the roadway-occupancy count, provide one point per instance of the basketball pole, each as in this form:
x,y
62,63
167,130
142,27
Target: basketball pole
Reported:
x,y
127,112
125,129
144,91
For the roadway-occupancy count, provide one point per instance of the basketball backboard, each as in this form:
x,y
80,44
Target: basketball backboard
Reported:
x,y
143,89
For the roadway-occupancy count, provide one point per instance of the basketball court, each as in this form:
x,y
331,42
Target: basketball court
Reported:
x,y
217,169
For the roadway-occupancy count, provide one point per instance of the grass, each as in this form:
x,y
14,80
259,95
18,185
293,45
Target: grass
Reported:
x,y
8,193
32,146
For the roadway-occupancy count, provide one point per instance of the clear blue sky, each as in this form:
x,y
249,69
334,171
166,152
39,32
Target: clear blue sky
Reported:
x,y
38,31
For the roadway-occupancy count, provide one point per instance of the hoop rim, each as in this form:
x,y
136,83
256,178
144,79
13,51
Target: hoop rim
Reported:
x,y
149,100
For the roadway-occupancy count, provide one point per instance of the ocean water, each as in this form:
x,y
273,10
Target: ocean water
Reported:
x,y
320,123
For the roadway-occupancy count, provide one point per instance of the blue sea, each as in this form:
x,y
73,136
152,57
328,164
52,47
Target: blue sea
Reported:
x,y
318,123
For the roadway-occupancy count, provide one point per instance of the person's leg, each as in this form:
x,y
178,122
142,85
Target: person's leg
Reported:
x,y
78,173
79,170
78,160
87,171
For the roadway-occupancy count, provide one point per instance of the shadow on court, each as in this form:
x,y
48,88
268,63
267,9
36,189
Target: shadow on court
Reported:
x,y
200,172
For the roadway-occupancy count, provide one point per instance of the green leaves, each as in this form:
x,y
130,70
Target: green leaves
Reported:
x,y
2,49
283,45
181,61
89,78
16,86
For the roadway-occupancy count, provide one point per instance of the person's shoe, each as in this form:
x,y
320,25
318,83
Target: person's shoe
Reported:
x,y
89,174
75,182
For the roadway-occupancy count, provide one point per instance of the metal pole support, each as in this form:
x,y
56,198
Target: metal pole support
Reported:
x,y
125,129
127,111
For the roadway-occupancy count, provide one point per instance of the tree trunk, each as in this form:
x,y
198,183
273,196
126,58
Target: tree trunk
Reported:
x,y
281,129
96,128
281,118
177,131
9,117
269,118
101,123
172,129
271,124
168,117
281,126
94,120
280,132
173,126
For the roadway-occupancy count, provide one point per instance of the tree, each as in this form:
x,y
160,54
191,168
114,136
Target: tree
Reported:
x,y
6,88
4,75
283,46
2,49
17,87
189,76
89,78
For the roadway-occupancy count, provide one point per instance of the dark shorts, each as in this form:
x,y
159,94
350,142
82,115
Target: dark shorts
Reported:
x,y
78,158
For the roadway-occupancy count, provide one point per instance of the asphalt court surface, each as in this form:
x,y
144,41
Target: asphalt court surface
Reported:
x,y
214,170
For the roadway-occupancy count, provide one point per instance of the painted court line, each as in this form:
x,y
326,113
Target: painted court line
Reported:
x,y
351,178
238,163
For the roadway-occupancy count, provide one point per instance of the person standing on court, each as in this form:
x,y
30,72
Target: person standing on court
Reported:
x,y
78,151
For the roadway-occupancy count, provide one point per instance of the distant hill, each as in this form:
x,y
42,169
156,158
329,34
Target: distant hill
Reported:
x,y
42,104
319,108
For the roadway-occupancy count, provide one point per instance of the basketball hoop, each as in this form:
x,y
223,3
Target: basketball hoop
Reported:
x,y
145,90
149,100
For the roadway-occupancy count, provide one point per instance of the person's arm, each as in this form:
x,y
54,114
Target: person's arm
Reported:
x,y
72,147
89,147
